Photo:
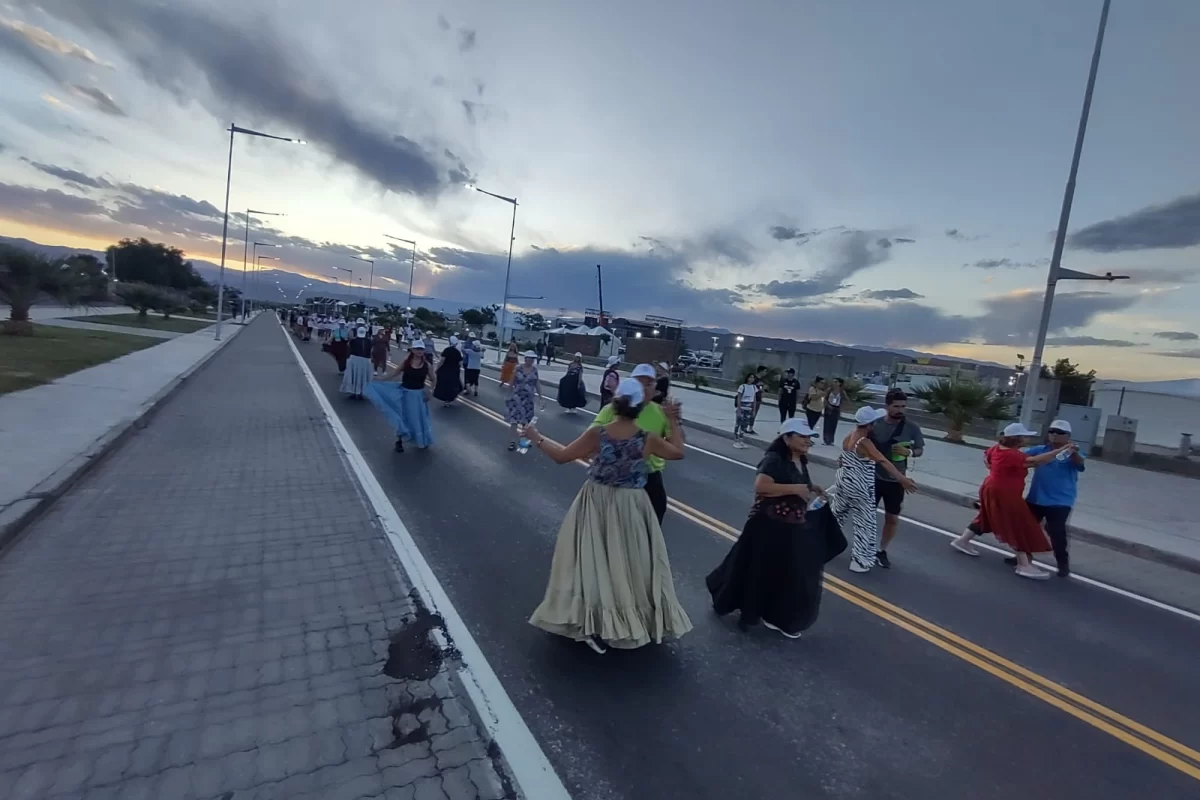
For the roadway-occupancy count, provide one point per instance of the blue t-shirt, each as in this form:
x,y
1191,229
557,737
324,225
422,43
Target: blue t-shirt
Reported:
x,y
1053,484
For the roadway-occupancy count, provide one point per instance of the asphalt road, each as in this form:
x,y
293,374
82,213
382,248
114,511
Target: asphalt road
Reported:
x,y
947,678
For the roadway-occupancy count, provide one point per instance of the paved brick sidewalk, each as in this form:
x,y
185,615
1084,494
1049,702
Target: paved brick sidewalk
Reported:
x,y
212,613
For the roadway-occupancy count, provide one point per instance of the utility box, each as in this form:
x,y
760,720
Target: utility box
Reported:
x,y
1120,435
1085,425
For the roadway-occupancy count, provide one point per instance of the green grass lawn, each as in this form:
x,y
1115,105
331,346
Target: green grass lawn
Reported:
x,y
51,352
153,321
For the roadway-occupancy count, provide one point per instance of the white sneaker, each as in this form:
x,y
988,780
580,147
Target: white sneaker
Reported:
x,y
780,630
857,567
1033,573
966,548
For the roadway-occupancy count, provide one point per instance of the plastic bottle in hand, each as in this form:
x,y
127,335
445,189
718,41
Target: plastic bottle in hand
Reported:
x,y
1065,455
816,502
523,443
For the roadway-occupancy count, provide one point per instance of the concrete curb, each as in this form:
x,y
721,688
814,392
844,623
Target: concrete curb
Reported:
x,y
1138,549
19,514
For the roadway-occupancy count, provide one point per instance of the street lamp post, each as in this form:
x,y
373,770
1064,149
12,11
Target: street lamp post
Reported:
x,y
258,263
255,261
370,285
1056,272
412,266
233,130
246,248
508,270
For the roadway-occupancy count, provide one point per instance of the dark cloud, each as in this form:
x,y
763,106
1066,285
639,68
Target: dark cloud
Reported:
x,y
959,236
1168,226
1177,336
890,294
443,23
245,63
101,99
466,39
69,175
904,241
1006,263
469,110
1012,319
851,252
788,233
1089,341
1193,353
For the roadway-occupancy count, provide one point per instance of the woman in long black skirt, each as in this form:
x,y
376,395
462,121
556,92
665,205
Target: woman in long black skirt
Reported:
x,y
773,573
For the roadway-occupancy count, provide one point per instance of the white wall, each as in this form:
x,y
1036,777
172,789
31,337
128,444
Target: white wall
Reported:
x,y
1161,417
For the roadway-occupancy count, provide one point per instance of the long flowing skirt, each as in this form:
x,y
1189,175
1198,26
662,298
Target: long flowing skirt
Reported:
x,y
611,576
357,377
506,371
406,409
449,384
774,571
570,395
340,350
1004,513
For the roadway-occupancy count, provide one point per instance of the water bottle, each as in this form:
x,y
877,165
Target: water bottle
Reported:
x,y
1065,455
816,502
523,443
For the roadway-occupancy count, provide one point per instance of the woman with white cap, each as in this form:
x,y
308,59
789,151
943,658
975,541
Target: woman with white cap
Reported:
x,y
854,499
518,408
610,581
609,381
774,571
406,403
572,394
472,362
358,368
1003,511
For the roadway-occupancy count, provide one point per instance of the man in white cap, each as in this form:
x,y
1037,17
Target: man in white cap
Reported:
x,y
652,419
1054,487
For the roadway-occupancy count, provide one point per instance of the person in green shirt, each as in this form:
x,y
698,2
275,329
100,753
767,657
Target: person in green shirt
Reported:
x,y
652,419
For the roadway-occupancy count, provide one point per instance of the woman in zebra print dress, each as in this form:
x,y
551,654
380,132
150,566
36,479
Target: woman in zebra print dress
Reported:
x,y
854,496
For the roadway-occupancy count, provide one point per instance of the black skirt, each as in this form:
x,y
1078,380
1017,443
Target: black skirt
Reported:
x,y
449,384
774,570
570,392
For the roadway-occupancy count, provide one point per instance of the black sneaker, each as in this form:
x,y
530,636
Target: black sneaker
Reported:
x,y
1010,560
399,448
1064,571
881,558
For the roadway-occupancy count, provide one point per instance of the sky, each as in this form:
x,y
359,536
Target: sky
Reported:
x,y
863,171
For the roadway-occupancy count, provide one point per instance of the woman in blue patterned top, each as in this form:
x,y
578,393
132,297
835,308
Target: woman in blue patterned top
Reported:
x,y
610,580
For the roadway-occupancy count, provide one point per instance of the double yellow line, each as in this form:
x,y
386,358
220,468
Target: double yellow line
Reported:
x,y
1132,733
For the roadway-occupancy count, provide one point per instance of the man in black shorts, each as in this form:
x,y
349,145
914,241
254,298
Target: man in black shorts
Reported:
x,y
898,439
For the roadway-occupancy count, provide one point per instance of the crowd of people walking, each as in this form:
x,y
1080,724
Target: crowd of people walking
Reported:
x,y
610,583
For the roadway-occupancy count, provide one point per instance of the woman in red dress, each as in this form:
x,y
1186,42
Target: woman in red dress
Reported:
x,y
1003,511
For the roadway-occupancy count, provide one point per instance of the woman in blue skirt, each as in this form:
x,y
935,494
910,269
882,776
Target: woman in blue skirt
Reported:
x,y
406,402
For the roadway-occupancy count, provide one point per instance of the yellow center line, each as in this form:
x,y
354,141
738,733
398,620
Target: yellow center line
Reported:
x,y
1119,726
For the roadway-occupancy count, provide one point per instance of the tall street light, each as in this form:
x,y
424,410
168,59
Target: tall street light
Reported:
x,y
412,266
246,248
1057,273
234,130
512,234
258,262
347,269
255,251
371,284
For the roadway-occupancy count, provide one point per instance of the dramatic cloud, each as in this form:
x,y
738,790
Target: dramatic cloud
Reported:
x,y
852,251
1012,319
245,63
1090,341
1177,336
69,175
1193,353
12,30
101,99
890,294
1172,225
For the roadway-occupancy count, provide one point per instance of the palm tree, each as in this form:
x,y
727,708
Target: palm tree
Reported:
x,y
26,277
961,402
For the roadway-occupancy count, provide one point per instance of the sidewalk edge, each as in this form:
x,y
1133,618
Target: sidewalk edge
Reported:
x,y
492,708
1140,550
19,514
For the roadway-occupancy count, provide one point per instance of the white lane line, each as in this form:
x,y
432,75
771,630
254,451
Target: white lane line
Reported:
x,y
1150,601
530,767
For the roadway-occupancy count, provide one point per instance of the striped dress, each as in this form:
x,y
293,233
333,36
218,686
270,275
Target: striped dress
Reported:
x,y
854,505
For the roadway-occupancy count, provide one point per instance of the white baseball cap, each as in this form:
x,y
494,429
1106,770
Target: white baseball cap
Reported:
x,y
1017,429
579,355
866,415
632,389
529,354
417,345
1060,425
614,360
798,427
643,371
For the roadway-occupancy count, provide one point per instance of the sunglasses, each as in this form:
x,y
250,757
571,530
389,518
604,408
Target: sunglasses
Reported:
x,y
1056,432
